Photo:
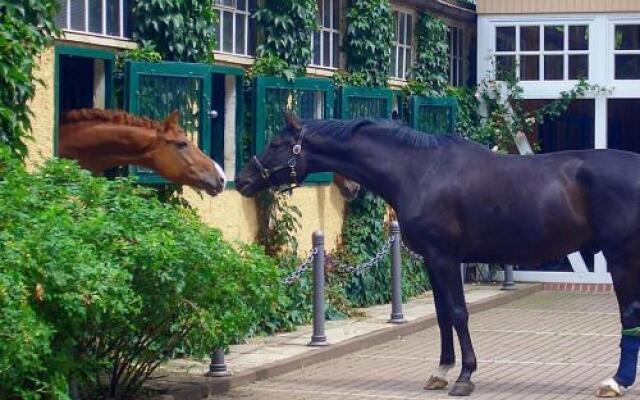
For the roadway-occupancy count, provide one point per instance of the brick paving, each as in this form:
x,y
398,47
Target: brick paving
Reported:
x,y
551,345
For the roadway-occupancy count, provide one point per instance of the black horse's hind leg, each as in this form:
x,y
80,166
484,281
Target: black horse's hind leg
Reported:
x,y
438,380
453,296
625,273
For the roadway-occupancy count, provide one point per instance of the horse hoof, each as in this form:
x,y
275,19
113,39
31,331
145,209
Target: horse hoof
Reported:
x,y
610,388
435,383
462,389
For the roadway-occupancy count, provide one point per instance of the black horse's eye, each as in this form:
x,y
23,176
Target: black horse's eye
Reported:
x,y
182,145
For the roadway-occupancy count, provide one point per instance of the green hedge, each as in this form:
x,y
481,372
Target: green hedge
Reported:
x,y
100,282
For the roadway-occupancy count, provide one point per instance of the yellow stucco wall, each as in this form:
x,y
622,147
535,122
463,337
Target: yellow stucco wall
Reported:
x,y
321,207
42,105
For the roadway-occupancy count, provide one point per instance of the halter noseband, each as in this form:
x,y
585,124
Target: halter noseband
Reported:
x,y
266,173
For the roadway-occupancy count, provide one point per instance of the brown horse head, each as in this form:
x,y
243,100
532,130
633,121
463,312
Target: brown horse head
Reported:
x,y
103,139
348,189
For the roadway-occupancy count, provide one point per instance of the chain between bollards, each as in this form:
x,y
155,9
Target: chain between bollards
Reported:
x,y
218,366
507,283
318,337
396,275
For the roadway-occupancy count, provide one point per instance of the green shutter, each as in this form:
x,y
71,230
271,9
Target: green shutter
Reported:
x,y
365,102
434,115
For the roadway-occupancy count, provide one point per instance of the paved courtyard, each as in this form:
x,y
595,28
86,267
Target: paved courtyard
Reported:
x,y
551,345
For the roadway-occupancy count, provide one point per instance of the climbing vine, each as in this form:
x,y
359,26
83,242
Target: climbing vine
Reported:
x,y
368,42
429,72
287,26
179,30
26,29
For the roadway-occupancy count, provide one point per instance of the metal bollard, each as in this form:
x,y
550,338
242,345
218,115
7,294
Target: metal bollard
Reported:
x,y
218,367
508,284
318,337
396,275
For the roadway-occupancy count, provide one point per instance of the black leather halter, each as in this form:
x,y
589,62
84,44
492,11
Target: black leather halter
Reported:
x,y
267,173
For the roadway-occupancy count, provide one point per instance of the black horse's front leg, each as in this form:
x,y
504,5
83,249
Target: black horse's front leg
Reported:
x,y
448,277
438,379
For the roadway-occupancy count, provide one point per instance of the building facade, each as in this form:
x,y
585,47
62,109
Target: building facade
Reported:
x,y
551,45
80,71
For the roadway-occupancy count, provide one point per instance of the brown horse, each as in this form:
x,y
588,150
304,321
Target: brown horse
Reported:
x,y
104,139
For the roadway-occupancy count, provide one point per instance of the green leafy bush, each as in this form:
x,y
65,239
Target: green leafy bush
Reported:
x,y
100,282
26,28
429,74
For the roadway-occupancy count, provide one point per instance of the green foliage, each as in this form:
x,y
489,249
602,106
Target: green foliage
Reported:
x,y
287,27
368,42
179,30
430,67
100,282
26,29
467,117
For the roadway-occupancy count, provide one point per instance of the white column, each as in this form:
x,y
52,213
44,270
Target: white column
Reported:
x,y
99,90
601,122
230,105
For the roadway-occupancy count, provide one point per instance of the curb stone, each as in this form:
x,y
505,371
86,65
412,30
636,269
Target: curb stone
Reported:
x,y
189,387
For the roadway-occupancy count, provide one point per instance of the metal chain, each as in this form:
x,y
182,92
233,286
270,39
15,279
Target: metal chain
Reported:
x,y
411,252
295,275
358,269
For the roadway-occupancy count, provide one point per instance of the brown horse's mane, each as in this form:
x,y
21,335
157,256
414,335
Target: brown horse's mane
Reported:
x,y
113,116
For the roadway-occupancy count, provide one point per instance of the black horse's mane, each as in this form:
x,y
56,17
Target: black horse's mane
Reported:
x,y
343,129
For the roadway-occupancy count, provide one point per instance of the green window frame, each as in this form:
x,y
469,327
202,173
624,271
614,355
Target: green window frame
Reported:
x,y
434,115
261,86
74,51
351,94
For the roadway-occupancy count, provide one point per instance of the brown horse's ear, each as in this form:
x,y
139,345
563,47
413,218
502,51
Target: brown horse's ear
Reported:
x,y
172,120
292,121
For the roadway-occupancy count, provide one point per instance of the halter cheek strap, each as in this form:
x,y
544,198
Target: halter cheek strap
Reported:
x,y
267,173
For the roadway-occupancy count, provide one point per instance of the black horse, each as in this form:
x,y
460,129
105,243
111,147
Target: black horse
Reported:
x,y
457,201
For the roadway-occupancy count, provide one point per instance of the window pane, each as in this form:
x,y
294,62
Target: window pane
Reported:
x,y
505,67
579,37
326,48
554,37
95,16
227,34
506,38
400,62
579,67
553,68
61,18
127,19
113,18
529,38
394,61
336,47
240,19
409,29
627,37
628,66
241,5
319,14
316,48
395,26
455,71
529,68
327,13
77,15
408,66
402,39
252,30
336,14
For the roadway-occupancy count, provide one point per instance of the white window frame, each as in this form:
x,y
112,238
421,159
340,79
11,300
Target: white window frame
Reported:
x,y
397,47
541,52
247,20
457,57
613,52
86,30
333,29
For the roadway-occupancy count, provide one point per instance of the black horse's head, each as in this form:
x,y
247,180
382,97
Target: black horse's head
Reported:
x,y
282,162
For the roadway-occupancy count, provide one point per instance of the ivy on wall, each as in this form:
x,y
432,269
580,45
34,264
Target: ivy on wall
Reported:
x,y
179,30
26,29
431,64
368,42
287,27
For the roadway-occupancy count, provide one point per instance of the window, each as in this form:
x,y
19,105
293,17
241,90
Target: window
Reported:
x,y
627,51
542,52
401,47
326,42
236,28
455,37
97,17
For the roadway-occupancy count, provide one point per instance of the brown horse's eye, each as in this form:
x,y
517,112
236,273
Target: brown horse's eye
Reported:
x,y
181,145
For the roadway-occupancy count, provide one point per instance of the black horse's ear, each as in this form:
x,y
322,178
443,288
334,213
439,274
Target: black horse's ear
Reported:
x,y
292,121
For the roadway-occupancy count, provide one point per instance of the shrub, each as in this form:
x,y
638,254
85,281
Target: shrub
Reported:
x,y
100,282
